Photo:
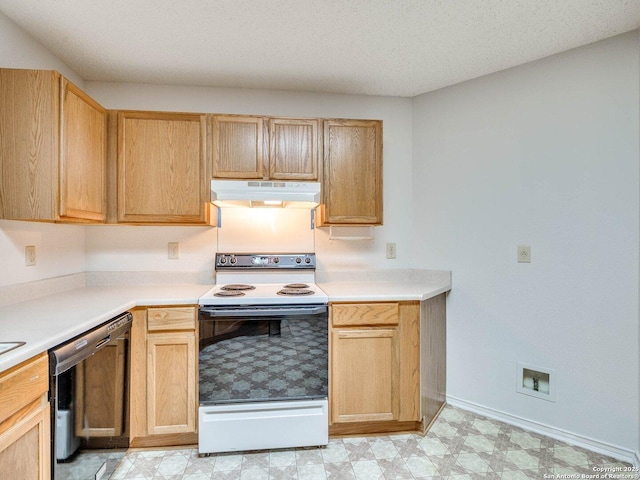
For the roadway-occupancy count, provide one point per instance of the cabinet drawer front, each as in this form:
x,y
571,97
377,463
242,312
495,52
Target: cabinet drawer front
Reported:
x,y
23,384
162,319
364,314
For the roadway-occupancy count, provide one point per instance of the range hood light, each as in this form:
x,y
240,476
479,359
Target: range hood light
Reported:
x,y
266,203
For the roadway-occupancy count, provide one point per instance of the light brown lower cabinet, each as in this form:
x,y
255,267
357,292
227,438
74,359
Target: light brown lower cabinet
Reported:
x,y
25,422
164,390
374,367
387,365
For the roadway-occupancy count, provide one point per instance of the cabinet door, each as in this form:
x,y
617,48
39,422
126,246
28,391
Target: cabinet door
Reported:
x,y
29,109
171,383
162,174
238,146
293,149
100,392
364,375
25,447
83,154
352,172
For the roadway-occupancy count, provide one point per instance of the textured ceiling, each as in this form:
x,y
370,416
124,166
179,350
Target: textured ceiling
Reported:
x,y
375,47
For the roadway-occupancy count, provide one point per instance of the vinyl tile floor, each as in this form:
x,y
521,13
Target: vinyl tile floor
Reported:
x,y
459,446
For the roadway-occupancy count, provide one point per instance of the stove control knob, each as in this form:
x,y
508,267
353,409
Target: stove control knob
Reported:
x,y
234,260
307,260
298,260
276,260
223,260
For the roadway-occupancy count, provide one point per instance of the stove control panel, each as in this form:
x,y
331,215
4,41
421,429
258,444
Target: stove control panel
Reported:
x,y
246,261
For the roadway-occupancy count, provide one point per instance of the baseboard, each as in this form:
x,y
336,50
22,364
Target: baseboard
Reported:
x,y
597,446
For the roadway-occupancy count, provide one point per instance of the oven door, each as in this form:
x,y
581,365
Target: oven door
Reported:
x,y
263,354
263,378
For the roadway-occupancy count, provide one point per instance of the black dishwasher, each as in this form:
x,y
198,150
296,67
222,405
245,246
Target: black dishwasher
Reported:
x,y
89,389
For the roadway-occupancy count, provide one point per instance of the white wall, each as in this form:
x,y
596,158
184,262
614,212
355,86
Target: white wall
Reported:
x,y
59,248
545,155
397,143
18,49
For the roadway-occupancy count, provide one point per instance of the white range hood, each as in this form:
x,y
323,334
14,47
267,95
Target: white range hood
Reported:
x,y
260,193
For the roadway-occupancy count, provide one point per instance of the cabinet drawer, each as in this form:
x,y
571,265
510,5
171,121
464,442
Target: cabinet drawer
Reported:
x,y
175,318
346,314
23,384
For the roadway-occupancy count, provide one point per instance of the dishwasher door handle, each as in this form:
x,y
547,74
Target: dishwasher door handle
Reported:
x,y
103,342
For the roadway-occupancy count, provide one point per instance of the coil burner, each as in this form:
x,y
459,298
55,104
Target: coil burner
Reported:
x,y
237,287
229,293
293,292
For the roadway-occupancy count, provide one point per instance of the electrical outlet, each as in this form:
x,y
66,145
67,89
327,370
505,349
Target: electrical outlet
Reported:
x,y
174,250
30,255
391,250
524,254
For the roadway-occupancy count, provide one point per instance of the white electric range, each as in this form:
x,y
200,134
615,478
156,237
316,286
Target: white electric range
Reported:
x,y
263,357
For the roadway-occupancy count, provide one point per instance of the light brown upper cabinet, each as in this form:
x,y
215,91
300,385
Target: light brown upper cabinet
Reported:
x,y
247,147
294,149
352,185
237,146
162,168
53,149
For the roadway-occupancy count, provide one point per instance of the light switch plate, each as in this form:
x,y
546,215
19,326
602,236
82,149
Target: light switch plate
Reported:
x,y
391,250
174,250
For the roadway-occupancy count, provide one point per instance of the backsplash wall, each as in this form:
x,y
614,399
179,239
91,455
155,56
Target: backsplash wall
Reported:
x,y
60,250
265,230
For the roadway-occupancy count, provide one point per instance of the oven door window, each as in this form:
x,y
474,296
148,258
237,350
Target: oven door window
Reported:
x,y
263,359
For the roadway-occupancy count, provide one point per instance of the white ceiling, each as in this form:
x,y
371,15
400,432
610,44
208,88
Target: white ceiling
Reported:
x,y
375,47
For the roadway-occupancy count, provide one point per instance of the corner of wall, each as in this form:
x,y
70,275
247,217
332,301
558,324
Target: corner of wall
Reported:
x,y
18,49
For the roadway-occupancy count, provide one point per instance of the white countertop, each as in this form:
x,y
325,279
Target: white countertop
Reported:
x,y
51,320
379,291
381,285
43,322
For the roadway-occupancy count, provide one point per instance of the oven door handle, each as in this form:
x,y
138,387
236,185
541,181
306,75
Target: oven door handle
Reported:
x,y
263,312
